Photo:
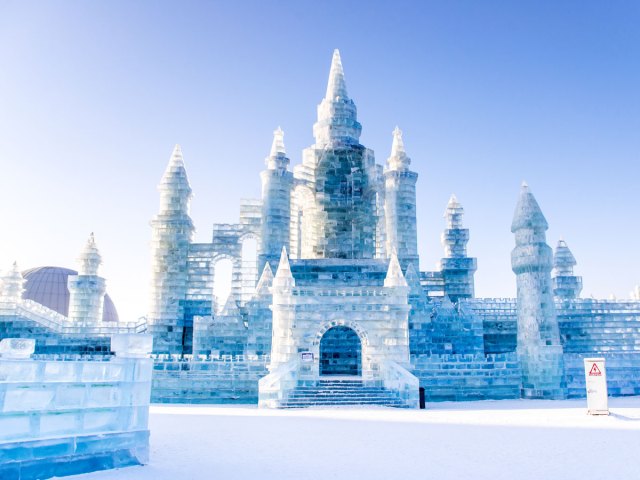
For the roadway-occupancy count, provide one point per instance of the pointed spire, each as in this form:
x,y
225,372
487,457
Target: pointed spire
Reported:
x,y
394,277
413,281
398,159
277,158
266,281
90,258
528,214
284,269
397,146
454,213
336,87
13,284
175,191
278,142
563,259
230,308
176,159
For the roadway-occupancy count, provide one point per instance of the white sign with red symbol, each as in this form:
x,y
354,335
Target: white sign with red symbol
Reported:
x,y
596,377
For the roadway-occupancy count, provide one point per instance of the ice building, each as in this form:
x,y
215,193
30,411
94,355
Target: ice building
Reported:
x,y
340,312
327,301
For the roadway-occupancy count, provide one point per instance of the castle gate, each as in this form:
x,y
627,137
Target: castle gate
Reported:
x,y
340,352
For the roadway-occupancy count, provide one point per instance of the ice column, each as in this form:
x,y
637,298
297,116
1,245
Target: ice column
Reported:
x,y
539,348
400,204
172,232
283,348
457,268
566,285
87,289
12,286
276,202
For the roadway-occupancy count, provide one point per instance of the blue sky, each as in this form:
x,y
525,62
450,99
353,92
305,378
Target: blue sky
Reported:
x,y
93,96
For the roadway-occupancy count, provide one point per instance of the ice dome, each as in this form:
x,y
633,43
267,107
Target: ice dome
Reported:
x,y
48,287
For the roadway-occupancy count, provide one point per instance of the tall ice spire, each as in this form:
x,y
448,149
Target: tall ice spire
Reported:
x,y
336,86
538,341
337,114
172,233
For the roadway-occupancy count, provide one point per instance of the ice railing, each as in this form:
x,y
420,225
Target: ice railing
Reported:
x,y
60,324
275,388
399,379
176,357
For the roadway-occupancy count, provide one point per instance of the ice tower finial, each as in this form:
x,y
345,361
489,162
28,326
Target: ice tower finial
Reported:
x,y
90,258
565,283
277,159
265,282
284,269
13,284
337,114
278,142
528,213
398,159
337,87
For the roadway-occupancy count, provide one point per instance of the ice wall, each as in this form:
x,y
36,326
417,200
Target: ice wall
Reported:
x,y
67,417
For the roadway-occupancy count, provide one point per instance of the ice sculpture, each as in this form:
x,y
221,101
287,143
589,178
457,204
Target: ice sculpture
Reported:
x,y
539,348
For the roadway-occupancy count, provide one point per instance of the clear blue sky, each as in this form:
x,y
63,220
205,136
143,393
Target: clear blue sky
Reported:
x,y
93,96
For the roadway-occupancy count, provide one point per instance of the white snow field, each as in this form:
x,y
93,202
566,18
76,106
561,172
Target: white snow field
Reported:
x,y
514,440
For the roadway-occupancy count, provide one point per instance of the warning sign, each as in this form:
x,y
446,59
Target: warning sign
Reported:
x,y
596,383
595,371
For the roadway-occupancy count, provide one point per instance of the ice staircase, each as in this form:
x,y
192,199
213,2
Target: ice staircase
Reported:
x,y
342,391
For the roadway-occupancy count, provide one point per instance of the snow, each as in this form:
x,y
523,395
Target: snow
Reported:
x,y
512,439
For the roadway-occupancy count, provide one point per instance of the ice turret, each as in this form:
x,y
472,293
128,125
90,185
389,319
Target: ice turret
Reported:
x,y
87,289
457,268
337,114
566,285
276,202
282,347
400,203
172,232
538,340
12,285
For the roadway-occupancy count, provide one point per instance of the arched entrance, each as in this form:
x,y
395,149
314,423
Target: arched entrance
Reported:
x,y
340,352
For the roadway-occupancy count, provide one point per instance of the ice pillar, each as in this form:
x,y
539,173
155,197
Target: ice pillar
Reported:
x,y
539,348
457,268
400,204
172,232
276,202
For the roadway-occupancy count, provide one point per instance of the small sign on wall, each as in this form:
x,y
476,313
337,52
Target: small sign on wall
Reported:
x,y
306,357
596,382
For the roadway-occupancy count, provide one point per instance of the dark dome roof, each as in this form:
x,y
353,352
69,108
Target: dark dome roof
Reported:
x,y
48,287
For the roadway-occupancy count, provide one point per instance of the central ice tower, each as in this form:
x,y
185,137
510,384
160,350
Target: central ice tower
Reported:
x,y
336,201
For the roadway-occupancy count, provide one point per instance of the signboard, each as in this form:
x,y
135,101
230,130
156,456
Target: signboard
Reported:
x,y
306,356
596,381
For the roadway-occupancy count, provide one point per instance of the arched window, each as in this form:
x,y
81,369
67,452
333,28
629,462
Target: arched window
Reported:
x,y
222,274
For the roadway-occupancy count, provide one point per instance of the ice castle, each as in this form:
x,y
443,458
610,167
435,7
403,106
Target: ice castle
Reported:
x,y
331,307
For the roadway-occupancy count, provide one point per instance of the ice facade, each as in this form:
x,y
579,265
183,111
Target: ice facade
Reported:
x,y
63,415
327,302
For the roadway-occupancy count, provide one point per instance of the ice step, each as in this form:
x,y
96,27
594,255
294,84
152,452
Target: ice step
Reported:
x,y
337,392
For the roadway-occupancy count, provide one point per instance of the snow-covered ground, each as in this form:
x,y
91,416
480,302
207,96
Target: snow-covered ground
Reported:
x,y
514,440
